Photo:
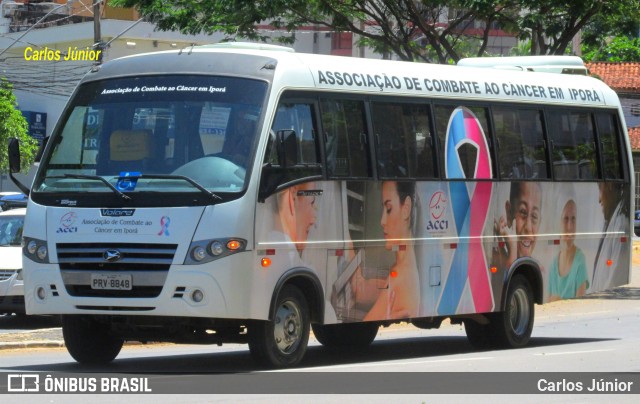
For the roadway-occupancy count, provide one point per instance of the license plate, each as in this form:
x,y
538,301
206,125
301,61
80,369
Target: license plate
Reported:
x,y
111,282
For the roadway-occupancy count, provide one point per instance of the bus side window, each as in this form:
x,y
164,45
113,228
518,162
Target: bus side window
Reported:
x,y
521,152
574,153
610,145
298,117
346,148
403,140
466,153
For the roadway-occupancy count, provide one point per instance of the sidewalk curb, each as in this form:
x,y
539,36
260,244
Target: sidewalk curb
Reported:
x,y
31,344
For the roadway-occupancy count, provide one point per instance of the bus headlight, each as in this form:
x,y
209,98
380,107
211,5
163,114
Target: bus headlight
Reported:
x,y
208,250
198,253
36,250
32,246
216,248
41,252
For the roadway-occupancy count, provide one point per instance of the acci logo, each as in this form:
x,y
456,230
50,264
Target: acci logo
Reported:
x,y
67,222
437,208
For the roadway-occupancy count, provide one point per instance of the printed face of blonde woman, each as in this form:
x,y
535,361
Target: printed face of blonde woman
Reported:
x,y
305,206
396,215
568,219
527,218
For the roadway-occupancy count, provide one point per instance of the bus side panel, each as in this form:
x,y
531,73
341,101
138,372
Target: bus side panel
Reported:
x,y
382,259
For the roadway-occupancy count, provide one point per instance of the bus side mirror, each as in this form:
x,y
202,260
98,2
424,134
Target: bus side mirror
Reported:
x,y
14,164
287,148
14,155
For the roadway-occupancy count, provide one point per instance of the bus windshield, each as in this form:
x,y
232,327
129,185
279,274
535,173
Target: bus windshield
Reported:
x,y
179,134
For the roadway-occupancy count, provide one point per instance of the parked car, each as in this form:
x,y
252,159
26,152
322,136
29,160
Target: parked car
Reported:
x,y
11,284
636,223
12,200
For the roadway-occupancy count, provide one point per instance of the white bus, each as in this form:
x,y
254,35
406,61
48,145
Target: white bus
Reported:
x,y
217,195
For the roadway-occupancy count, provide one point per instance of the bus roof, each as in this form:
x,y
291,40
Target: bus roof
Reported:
x,y
302,71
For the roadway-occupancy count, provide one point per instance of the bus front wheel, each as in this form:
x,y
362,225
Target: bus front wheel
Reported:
x,y
282,341
88,341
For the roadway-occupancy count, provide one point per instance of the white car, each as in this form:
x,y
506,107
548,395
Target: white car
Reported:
x,y
11,284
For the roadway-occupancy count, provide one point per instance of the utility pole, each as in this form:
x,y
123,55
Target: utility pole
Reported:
x,y
97,35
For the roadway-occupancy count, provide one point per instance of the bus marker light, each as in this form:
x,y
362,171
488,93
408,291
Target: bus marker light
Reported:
x,y
40,293
393,274
339,253
270,251
233,245
609,263
556,242
265,262
623,239
494,270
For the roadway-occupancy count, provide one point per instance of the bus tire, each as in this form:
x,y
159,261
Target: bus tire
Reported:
x,y
88,341
480,336
282,341
513,326
354,335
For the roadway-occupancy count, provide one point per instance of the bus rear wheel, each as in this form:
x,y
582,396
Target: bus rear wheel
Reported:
x,y
345,335
510,328
513,326
88,341
282,341
479,335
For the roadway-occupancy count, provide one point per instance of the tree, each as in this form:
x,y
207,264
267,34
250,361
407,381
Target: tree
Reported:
x,y
13,124
623,22
417,30
613,36
620,49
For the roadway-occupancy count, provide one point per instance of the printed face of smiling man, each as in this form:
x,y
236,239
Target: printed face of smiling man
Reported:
x,y
526,212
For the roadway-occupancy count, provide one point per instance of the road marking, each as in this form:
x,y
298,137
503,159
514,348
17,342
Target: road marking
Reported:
x,y
359,365
545,317
572,352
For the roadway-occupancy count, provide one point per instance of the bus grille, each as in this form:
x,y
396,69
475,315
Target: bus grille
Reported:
x,y
148,263
134,257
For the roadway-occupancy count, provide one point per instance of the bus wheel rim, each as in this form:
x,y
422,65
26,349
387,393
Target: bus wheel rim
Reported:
x,y
288,327
519,312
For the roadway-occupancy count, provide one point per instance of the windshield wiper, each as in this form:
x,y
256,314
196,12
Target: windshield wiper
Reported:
x,y
181,177
96,178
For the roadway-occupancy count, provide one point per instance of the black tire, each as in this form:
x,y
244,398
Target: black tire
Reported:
x,y
88,341
480,336
352,335
282,341
513,326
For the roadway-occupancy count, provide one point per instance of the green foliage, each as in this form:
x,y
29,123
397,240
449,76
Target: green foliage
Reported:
x,y
620,49
13,124
623,19
439,31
